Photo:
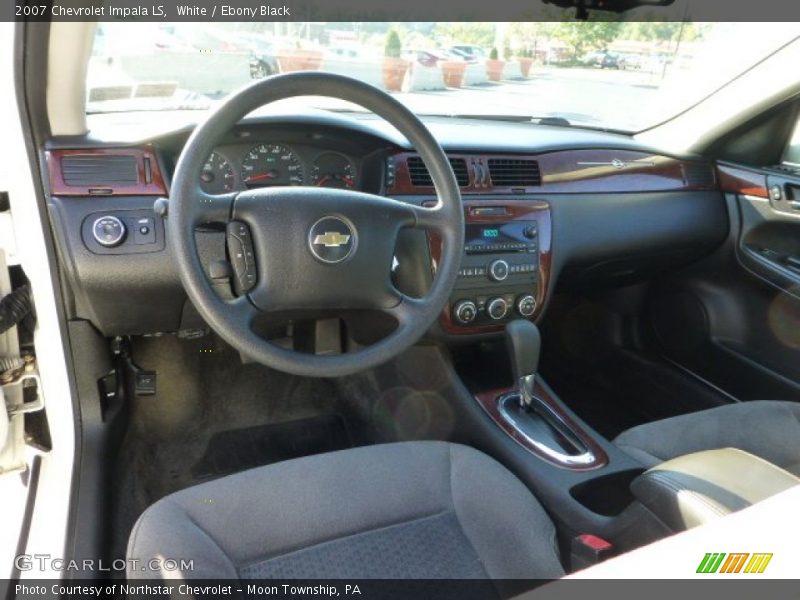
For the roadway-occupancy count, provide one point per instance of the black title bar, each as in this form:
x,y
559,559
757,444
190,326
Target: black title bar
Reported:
x,y
391,10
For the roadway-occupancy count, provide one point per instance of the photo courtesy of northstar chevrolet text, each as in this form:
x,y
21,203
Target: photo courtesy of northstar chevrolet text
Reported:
x,y
380,300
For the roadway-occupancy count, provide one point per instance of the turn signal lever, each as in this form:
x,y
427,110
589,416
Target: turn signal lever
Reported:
x,y
524,345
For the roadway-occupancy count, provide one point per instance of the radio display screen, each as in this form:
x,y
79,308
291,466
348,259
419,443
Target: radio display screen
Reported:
x,y
478,235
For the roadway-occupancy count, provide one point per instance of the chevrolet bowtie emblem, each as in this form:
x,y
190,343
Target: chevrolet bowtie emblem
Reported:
x,y
331,239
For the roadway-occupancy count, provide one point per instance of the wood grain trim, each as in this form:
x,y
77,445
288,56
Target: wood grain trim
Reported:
x,y
517,210
488,401
152,185
737,180
566,172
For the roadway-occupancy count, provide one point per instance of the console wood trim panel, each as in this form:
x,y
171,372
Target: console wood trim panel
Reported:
x,y
150,180
738,180
516,210
488,401
573,171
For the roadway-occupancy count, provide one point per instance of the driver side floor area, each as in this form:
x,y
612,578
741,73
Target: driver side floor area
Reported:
x,y
212,416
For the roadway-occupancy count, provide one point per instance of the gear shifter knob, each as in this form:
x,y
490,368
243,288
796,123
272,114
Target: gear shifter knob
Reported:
x,y
524,345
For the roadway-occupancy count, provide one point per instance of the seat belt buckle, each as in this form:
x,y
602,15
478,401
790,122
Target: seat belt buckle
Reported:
x,y
587,550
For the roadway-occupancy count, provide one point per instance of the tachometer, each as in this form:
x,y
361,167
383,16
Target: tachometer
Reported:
x,y
271,164
333,170
217,176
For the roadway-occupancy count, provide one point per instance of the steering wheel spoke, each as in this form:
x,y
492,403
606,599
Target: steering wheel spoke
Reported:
x,y
407,310
429,218
208,208
242,311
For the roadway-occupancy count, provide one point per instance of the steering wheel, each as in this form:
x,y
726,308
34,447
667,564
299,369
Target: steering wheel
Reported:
x,y
308,248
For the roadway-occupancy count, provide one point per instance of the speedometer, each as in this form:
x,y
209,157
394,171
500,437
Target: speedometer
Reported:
x,y
217,175
271,164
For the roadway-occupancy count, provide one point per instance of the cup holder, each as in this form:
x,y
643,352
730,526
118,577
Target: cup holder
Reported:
x,y
607,495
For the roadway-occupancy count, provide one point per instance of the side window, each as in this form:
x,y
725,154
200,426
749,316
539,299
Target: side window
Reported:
x,y
791,157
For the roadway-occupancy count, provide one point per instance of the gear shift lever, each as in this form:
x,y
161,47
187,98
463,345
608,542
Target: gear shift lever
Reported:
x,y
524,345
537,421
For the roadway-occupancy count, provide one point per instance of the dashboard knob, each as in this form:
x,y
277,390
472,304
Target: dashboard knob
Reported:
x,y
108,231
497,308
498,270
465,311
526,305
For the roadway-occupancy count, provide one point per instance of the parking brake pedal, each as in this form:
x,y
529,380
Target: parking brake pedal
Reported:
x,y
142,381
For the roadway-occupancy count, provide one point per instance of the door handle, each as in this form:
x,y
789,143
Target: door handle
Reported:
x,y
777,259
793,262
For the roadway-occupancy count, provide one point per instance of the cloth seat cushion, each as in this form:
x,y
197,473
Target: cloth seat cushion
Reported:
x,y
770,429
407,510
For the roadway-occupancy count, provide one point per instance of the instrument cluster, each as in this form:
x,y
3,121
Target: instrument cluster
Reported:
x,y
264,164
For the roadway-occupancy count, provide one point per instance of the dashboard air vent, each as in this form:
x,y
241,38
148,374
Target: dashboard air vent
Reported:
x,y
82,170
514,172
421,178
698,174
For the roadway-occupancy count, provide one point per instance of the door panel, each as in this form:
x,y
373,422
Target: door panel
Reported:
x,y
769,244
734,318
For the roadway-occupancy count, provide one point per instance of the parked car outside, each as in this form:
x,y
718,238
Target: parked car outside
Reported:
x,y
630,62
262,55
601,59
469,52
431,58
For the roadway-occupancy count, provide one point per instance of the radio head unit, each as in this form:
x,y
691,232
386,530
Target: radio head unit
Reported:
x,y
505,265
500,238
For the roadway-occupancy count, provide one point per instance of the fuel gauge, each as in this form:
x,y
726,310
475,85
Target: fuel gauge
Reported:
x,y
333,170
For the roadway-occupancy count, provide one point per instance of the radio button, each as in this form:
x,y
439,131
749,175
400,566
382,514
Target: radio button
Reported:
x,y
498,270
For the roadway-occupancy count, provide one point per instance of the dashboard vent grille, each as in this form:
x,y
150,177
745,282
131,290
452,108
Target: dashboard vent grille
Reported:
x,y
698,174
514,172
87,170
420,177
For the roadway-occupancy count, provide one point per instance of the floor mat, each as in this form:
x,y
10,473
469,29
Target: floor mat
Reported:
x,y
232,451
213,415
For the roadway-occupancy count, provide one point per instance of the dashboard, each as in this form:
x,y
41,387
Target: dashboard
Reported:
x,y
545,207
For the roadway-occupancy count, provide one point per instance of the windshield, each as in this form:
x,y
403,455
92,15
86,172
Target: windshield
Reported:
x,y
615,75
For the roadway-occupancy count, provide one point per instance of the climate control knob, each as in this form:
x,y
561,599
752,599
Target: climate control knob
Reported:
x,y
465,311
497,308
526,305
498,270
108,231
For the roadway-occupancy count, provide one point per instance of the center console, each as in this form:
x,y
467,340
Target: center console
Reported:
x,y
505,265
